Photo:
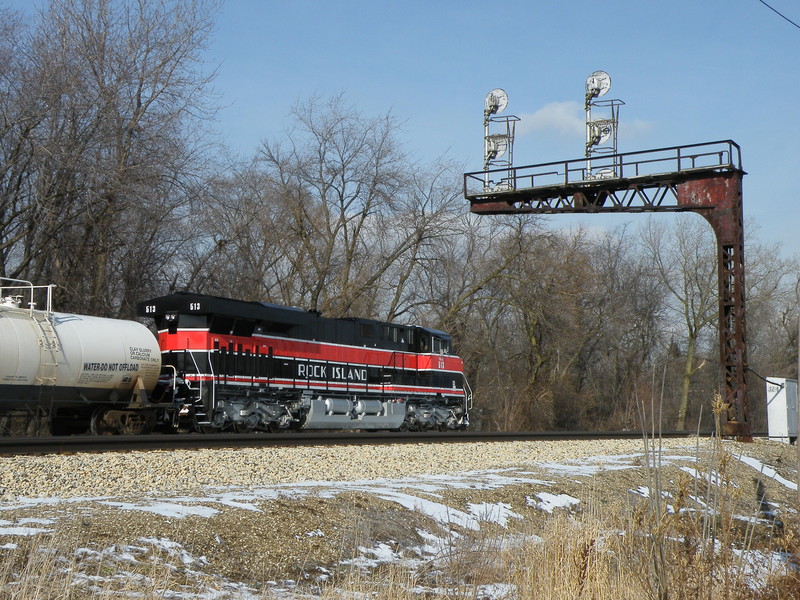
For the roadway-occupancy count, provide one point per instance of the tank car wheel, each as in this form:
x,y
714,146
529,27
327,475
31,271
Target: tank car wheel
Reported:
x,y
123,422
138,422
100,424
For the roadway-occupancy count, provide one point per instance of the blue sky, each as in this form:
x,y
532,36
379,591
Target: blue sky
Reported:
x,y
688,71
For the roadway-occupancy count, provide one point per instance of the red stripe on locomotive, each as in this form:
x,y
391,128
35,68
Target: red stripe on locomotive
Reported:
x,y
201,340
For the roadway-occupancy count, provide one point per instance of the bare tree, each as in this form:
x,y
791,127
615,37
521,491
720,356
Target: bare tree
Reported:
x,y
685,258
335,218
625,304
109,106
457,289
19,116
564,331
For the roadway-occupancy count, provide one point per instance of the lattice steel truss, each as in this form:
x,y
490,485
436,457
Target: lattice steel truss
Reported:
x,y
703,178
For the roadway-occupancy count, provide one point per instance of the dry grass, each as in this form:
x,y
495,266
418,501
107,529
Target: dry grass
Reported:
x,y
576,560
649,553
639,555
59,571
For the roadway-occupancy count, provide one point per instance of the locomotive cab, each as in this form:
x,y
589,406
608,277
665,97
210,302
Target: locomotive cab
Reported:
x,y
432,341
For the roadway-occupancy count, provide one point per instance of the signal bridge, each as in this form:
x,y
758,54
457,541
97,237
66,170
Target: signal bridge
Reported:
x,y
704,178
629,182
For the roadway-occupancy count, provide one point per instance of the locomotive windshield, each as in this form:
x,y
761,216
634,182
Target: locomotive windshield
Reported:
x,y
433,341
173,320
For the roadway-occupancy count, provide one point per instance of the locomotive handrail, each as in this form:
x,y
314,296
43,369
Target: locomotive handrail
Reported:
x,y
174,377
468,394
213,386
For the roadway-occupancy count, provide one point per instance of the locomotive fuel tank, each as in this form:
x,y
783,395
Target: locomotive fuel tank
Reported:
x,y
65,359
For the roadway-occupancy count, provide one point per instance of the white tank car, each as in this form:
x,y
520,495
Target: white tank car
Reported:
x,y
53,359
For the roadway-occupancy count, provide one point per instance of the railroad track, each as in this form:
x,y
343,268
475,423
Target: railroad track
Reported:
x,y
117,443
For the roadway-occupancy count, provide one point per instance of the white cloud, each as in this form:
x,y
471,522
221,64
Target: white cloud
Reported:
x,y
568,121
563,118
635,129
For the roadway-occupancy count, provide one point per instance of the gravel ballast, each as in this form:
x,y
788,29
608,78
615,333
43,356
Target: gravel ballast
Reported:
x,y
123,473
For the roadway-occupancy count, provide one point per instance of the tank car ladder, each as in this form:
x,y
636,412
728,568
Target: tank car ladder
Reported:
x,y
49,346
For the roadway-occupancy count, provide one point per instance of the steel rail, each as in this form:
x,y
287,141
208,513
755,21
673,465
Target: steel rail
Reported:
x,y
122,443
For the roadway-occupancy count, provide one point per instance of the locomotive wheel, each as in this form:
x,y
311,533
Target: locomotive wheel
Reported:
x,y
206,429
242,428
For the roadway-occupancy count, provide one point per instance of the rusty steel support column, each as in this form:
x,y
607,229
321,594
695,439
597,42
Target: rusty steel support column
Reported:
x,y
718,199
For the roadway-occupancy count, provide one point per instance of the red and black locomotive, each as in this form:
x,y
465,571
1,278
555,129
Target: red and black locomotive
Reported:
x,y
243,366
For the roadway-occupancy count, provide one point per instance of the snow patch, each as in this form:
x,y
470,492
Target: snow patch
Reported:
x,y
23,531
166,509
498,512
766,471
549,502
